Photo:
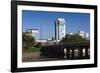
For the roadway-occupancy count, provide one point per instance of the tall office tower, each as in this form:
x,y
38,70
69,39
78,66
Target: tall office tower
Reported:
x,y
59,29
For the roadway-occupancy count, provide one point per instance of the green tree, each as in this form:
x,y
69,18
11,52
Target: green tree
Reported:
x,y
38,45
73,38
28,40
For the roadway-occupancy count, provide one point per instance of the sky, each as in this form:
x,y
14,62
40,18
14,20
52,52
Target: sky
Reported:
x,y
44,21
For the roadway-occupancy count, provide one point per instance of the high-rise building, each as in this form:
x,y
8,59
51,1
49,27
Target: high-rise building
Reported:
x,y
59,28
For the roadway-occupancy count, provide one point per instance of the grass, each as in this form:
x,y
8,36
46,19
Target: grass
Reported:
x,y
30,50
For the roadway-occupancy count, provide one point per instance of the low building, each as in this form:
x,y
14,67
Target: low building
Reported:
x,y
34,33
84,35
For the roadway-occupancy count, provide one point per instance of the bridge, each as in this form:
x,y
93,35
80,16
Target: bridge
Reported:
x,y
67,50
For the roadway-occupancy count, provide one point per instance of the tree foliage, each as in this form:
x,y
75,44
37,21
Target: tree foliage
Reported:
x,y
28,40
73,38
38,45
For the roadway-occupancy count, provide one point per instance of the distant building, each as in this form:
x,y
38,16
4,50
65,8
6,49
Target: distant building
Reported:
x,y
59,29
87,36
84,35
71,33
33,32
46,41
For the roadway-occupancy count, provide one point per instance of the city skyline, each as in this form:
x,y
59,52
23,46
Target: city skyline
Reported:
x,y
45,21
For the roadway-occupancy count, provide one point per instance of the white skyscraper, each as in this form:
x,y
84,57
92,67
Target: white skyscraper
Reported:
x,y
59,29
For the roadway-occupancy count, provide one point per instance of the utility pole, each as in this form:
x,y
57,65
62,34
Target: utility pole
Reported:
x,y
40,32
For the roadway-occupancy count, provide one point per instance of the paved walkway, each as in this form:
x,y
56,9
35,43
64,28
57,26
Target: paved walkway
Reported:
x,y
31,57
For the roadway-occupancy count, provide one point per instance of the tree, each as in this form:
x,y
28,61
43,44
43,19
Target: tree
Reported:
x,y
38,45
73,38
28,40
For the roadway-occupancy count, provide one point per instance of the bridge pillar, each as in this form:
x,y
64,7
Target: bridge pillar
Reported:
x,y
86,52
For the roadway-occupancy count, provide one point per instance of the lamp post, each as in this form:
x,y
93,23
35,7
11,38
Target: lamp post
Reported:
x,y
41,32
56,32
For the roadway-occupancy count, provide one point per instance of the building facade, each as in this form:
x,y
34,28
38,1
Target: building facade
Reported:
x,y
60,29
34,33
84,35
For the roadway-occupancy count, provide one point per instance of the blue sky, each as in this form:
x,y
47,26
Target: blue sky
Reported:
x,y
46,21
